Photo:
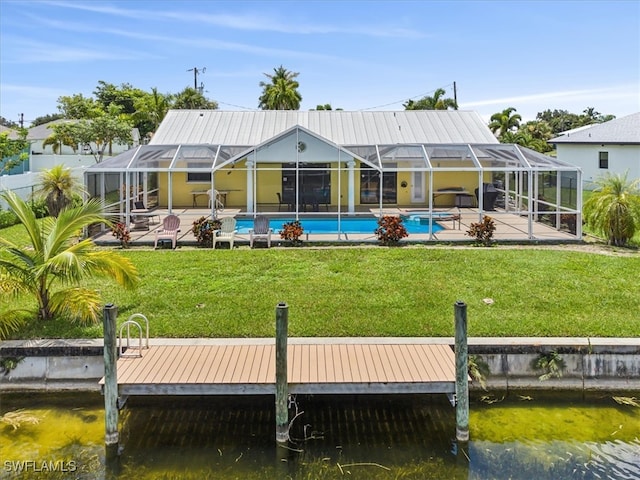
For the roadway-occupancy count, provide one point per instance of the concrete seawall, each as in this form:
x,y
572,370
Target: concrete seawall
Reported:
x,y
588,363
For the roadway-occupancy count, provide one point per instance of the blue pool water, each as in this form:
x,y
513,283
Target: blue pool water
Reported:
x,y
366,225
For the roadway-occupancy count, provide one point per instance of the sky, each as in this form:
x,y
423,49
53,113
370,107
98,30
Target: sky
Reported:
x,y
355,55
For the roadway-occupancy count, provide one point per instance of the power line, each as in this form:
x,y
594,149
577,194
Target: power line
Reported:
x,y
410,98
237,106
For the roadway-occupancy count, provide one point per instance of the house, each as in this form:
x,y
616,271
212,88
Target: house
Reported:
x,y
333,163
613,146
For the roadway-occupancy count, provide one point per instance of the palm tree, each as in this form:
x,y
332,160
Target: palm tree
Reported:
x,y
55,264
281,92
57,187
613,209
504,121
57,140
436,102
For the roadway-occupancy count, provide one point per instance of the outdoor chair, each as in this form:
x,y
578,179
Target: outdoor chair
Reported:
x,y
214,200
280,202
142,214
226,233
168,231
260,230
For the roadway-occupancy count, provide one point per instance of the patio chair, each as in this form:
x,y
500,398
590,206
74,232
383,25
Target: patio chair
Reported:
x,y
168,231
260,230
280,202
227,232
139,212
214,200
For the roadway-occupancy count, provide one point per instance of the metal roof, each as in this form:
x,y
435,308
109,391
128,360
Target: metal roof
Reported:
x,y
625,130
340,127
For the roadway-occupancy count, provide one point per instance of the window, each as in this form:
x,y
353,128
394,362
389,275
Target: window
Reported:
x,y
370,186
198,177
603,159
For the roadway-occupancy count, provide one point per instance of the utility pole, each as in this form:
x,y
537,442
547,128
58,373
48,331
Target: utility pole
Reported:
x,y
195,71
455,94
21,121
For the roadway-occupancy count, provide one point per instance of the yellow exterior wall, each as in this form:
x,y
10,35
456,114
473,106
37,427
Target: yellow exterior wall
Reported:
x,y
269,183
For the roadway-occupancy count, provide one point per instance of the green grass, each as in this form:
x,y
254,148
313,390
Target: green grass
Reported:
x,y
373,291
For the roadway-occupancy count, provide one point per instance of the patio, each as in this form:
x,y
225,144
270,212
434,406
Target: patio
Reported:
x,y
509,228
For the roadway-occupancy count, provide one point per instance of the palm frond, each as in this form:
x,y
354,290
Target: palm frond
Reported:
x,y
77,304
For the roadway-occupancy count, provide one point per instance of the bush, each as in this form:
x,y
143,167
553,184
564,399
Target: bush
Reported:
x,y
7,218
483,231
203,230
390,230
121,232
39,208
292,231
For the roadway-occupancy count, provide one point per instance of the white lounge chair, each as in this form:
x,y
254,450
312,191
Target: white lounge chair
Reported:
x,y
227,232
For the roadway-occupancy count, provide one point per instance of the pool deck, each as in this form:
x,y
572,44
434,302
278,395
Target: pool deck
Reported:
x,y
510,227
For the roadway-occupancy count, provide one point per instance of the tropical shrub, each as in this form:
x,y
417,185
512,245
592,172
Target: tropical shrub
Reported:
x,y
54,266
613,209
292,231
483,231
7,218
390,230
203,229
121,232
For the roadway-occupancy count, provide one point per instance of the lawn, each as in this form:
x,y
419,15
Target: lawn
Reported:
x,y
374,291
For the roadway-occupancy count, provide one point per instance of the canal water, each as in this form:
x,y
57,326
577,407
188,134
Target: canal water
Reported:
x,y
535,435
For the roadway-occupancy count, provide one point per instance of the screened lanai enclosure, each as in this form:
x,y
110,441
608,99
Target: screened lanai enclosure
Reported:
x,y
317,171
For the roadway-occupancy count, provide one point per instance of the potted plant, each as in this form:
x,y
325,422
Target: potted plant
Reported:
x,y
390,230
292,231
203,229
121,232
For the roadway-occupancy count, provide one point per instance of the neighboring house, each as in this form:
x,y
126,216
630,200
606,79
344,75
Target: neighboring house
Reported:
x,y
24,178
613,146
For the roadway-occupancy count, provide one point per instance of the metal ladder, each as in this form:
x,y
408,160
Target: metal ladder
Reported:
x,y
132,349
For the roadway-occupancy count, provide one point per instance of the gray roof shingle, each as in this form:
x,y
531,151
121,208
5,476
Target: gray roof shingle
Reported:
x,y
624,130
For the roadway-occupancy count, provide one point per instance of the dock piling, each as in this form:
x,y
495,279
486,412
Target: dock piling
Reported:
x,y
462,375
282,386
110,381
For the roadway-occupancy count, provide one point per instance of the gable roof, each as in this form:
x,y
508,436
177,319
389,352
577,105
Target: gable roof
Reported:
x,y
620,131
340,127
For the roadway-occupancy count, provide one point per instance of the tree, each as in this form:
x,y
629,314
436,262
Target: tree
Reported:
x,y
77,106
523,137
59,138
561,120
613,209
190,99
50,117
281,91
505,121
151,109
56,263
13,151
57,187
8,123
435,102
95,135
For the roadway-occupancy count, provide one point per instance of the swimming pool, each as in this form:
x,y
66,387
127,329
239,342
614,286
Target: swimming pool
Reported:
x,y
347,225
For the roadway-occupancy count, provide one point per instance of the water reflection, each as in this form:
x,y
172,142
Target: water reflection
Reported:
x,y
378,437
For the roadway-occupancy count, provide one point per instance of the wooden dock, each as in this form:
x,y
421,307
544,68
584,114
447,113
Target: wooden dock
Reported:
x,y
328,366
